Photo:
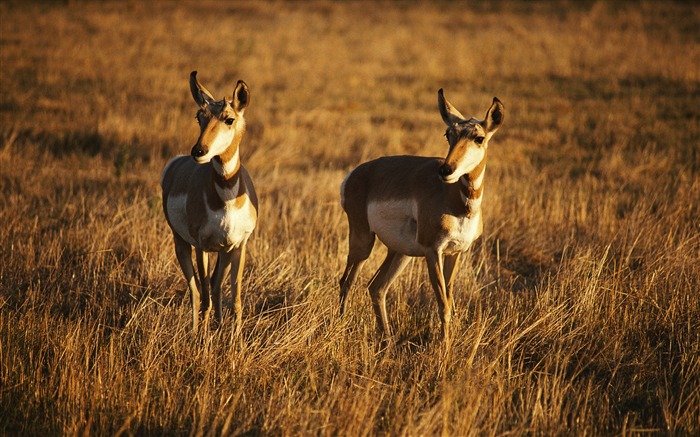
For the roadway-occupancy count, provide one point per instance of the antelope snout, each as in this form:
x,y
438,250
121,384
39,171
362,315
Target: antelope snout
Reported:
x,y
198,151
445,171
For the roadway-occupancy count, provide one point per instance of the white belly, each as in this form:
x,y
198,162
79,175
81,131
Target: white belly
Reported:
x,y
394,222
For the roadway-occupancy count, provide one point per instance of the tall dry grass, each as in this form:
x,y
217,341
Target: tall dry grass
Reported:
x,y
578,312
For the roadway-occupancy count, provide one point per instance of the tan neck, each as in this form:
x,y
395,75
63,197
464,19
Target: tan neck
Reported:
x,y
471,187
227,164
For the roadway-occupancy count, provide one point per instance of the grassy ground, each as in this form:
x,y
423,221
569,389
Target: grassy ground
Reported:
x,y
578,311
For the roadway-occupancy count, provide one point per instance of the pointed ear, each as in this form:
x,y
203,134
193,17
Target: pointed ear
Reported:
x,y
241,96
494,116
201,95
450,115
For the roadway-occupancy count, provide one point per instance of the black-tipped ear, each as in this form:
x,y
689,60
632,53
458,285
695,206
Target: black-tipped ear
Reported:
x,y
450,115
494,116
201,95
241,96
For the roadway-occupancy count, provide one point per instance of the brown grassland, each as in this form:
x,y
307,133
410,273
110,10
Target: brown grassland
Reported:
x,y
577,312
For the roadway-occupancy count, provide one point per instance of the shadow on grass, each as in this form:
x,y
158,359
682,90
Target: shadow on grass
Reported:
x,y
92,143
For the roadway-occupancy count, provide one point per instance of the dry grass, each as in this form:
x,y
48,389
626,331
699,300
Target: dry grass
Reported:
x,y
578,312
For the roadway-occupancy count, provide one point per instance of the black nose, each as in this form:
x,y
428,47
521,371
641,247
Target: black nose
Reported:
x,y
198,151
445,170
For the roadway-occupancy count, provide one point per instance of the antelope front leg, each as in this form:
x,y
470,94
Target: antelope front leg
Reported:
x,y
205,282
183,252
435,271
223,267
236,280
449,272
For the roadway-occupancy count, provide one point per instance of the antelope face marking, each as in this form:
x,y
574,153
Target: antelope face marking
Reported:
x,y
468,138
218,124
220,121
468,146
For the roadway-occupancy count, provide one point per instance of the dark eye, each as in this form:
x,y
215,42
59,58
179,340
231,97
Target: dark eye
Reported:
x,y
196,118
479,140
228,121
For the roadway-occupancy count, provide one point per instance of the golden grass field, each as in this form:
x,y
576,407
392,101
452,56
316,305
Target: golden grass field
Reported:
x,y
577,312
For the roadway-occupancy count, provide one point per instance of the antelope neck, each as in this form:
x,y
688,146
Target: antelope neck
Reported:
x,y
227,176
471,186
227,164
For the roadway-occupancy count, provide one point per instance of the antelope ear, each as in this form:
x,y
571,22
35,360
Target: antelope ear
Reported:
x,y
241,96
201,95
494,116
450,115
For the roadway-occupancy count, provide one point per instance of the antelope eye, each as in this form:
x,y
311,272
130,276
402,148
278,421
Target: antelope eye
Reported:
x,y
228,121
479,140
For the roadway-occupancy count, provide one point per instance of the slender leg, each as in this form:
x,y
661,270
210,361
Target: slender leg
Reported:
x,y
360,246
393,264
223,267
352,270
205,281
237,264
435,269
449,269
183,251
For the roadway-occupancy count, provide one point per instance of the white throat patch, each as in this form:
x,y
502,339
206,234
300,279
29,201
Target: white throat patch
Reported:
x,y
228,168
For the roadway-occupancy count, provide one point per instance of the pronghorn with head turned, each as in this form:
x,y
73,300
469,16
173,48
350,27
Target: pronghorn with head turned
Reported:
x,y
210,202
419,207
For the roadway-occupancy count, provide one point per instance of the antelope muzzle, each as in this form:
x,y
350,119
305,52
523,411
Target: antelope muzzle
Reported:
x,y
445,171
198,151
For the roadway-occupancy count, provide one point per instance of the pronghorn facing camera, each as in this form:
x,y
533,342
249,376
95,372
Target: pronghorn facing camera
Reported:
x,y
419,207
209,201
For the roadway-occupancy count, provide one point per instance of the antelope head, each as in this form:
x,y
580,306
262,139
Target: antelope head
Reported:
x,y
468,138
221,122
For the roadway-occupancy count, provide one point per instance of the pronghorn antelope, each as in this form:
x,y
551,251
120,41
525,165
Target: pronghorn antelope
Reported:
x,y
209,200
419,207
